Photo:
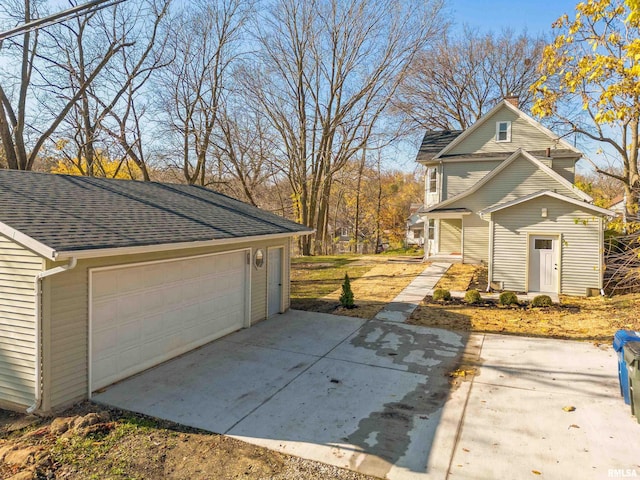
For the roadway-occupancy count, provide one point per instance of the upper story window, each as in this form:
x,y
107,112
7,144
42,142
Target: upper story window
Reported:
x,y
432,180
503,131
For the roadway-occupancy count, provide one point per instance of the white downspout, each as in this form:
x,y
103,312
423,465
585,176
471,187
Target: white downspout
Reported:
x,y
38,290
490,266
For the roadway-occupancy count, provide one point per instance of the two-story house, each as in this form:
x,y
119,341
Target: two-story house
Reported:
x,y
501,193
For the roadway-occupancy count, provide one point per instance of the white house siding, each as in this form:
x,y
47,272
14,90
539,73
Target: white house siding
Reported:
x,y
460,176
523,135
68,307
18,269
580,250
450,236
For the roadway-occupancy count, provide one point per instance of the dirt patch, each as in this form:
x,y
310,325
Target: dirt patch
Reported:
x,y
89,442
592,318
461,277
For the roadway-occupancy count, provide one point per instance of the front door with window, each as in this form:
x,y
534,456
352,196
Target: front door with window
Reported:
x,y
543,264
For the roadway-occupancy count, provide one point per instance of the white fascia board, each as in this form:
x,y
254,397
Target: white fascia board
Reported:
x,y
480,182
110,252
556,176
445,215
548,193
485,118
27,241
505,163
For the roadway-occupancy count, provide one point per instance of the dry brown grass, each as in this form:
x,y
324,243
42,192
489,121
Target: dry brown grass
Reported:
x,y
459,277
593,318
377,287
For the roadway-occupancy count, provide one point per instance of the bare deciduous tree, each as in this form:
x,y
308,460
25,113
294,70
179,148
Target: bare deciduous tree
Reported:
x,y
108,111
23,129
328,72
453,83
205,41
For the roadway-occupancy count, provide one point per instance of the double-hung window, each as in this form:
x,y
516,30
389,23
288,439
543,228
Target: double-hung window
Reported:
x,y
431,229
432,180
503,131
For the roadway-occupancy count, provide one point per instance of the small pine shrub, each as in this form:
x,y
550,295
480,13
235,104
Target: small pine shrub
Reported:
x,y
346,298
541,301
508,298
472,297
441,295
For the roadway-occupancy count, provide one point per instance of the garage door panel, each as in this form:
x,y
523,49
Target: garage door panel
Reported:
x,y
145,314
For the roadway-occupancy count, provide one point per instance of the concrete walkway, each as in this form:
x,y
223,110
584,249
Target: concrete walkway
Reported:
x,y
408,300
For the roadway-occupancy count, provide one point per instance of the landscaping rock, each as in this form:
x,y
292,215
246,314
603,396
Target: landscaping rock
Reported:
x,y
24,475
22,456
5,450
87,420
61,424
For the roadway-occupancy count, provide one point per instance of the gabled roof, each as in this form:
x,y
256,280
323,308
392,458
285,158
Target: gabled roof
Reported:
x,y
548,193
60,215
435,141
485,118
496,171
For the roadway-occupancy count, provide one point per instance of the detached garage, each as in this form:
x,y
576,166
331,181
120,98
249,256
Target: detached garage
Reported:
x,y
101,279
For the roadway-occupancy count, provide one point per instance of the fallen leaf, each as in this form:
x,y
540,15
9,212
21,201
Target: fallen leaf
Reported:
x,y
536,472
569,408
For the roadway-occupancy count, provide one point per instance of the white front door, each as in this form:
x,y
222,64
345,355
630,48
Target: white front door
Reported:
x,y
274,274
543,264
432,227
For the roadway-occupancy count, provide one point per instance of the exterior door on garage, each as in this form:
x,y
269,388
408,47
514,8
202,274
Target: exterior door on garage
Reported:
x,y
274,270
143,314
543,264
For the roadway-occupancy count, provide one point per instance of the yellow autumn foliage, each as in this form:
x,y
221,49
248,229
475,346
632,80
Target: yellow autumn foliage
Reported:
x,y
102,167
594,58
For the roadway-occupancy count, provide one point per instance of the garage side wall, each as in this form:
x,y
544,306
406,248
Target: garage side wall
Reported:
x,y
18,269
579,243
68,311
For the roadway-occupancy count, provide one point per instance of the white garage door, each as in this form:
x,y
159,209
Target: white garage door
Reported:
x,y
144,314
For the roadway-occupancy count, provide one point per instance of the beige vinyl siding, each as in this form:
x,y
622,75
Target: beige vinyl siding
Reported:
x,y
18,269
450,236
523,135
68,308
476,239
580,250
518,179
565,167
460,176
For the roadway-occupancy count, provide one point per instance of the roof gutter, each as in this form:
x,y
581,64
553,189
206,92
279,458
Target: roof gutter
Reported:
x,y
140,249
38,324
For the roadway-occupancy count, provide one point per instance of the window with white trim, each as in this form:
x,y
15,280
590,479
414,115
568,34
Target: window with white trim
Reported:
x,y
503,131
432,180
431,229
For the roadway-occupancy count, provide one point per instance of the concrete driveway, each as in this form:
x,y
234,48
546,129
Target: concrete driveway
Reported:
x,y
375,397
367,396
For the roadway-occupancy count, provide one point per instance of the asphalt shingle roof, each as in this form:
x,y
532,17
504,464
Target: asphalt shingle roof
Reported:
x,y
434,141
68,213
